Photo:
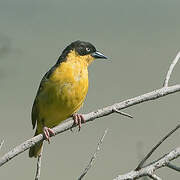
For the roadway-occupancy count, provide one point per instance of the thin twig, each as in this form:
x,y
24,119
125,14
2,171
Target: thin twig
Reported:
x,y
1,144
145,171
122,113
140,155
155,147
38,170
172,166
171,69
153,176
94,156
158,93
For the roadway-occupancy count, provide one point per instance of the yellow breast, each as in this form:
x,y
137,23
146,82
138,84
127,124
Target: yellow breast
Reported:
x,y
64,92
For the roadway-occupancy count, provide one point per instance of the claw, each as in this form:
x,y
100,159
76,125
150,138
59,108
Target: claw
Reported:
x,y
48,132
78,119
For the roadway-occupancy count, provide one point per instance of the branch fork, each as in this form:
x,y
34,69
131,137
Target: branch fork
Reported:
x,y
120,112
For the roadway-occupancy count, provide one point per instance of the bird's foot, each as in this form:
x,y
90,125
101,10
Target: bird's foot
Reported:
x,y
48,132
78,120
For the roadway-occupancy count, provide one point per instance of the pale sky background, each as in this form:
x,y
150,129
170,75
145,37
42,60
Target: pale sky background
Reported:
x,y
140,37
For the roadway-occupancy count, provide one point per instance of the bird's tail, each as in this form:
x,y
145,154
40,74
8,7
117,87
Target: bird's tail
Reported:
x,y
35,150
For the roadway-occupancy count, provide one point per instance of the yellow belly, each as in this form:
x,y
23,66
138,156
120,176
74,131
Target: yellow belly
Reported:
x,y
63,94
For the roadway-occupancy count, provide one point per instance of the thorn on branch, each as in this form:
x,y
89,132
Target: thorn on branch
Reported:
x,y
122,113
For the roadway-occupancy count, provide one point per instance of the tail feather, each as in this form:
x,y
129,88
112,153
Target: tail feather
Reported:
x,y
35,150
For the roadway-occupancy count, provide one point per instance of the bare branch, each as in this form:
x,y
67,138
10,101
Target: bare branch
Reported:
x,y
122,113
94,156
1,144
171,70
149,169
156,146
140,155
171,166
153,176
158,93
38,170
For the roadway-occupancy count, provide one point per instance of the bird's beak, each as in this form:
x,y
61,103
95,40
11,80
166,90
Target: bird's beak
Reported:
x,y
98,55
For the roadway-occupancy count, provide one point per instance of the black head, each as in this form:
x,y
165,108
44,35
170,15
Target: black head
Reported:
x,y
82,48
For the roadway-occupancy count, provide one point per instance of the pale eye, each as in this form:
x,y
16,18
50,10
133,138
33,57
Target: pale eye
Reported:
x,y
87,49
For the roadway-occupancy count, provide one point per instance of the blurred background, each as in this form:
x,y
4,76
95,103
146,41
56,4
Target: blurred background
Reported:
x,y
140,38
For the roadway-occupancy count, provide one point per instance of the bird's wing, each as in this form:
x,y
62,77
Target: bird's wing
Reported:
x,y
35,111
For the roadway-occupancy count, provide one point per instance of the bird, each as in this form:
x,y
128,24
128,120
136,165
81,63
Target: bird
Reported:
x,y
62,90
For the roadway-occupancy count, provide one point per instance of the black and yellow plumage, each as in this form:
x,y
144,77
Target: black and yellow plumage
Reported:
x,y
63,88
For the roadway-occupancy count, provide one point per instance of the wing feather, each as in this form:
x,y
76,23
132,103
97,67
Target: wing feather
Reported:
x,y
35,111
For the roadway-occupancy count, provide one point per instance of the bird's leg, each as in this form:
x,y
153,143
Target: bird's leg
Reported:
x,y
48,132
78,119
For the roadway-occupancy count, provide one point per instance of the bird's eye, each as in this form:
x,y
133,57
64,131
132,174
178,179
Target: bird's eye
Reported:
x,y
88,49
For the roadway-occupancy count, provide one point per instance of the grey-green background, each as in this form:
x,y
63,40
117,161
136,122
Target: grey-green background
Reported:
x,y
140,37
